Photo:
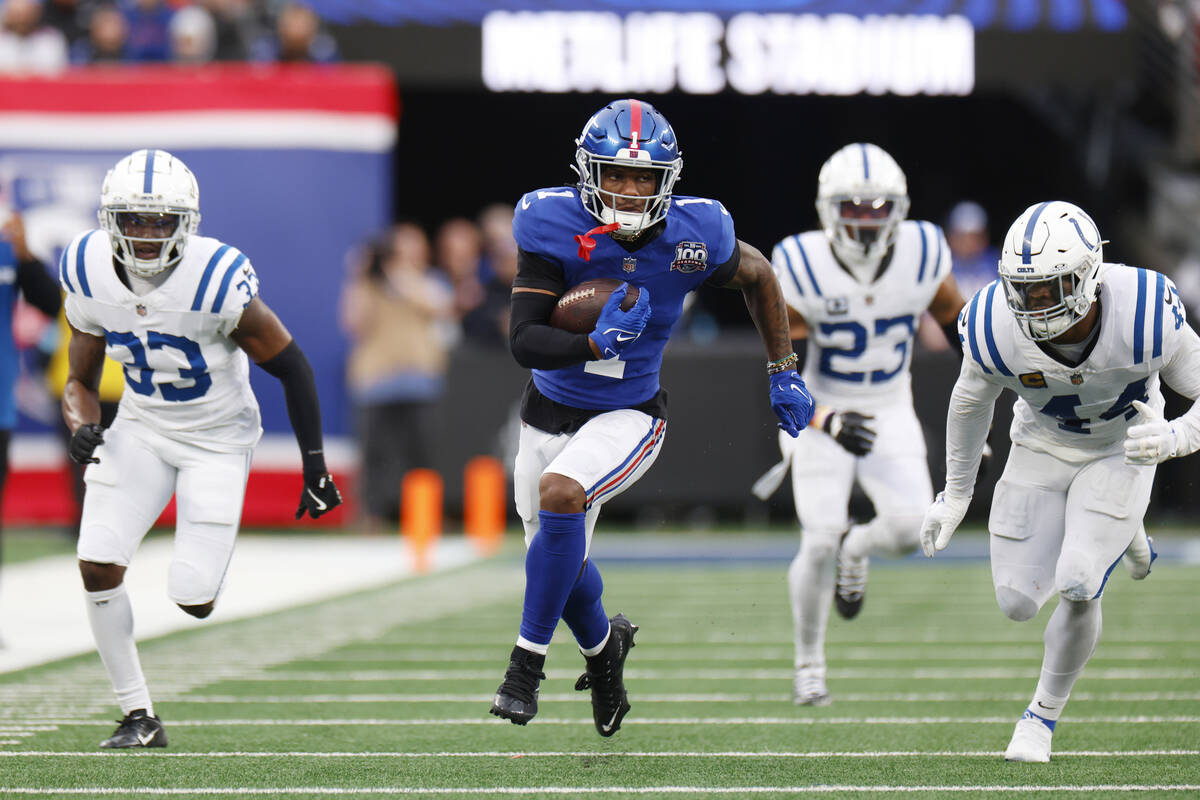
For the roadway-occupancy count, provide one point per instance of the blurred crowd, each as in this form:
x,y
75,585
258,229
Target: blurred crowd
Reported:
x,y
408,300
46,36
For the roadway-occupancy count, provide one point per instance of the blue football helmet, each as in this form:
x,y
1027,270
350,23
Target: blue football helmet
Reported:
x,y
628,133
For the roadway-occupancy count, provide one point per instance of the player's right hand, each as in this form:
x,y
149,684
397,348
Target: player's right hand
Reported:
x,y
851,430
84,441
617,329
941,520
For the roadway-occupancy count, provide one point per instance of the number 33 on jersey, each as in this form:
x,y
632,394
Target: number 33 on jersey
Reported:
x,y
194,380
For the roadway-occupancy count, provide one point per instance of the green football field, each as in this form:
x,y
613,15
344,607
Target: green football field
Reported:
x,y
386,693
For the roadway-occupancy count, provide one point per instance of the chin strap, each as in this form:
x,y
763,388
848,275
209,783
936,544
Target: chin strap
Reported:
x,y
587,244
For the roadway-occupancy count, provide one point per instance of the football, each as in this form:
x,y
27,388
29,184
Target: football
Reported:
x,y
579,307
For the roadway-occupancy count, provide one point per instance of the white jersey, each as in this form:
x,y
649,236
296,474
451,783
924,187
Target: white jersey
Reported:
x,y
184,376
1079,413
860,334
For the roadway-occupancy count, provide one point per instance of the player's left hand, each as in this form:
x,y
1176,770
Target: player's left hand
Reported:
x,y
320,496
1151,442
791,402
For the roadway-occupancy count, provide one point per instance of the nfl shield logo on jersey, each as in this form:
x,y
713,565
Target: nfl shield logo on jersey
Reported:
x,y
836,305
141,310
1076,378
629,263
690,257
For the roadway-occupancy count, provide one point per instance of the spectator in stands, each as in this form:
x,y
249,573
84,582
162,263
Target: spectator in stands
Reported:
x,y
487,324
65,16
193,36
149,37
108,35
459,250
29,277
298,38
974,261
393,309
236,27
26,43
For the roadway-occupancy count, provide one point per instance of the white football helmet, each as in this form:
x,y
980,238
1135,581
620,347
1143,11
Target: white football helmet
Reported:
x,y
149,192
862,196
1050,265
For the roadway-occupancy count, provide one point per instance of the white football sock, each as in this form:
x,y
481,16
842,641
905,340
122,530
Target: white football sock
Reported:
x,y
111,618
1070,639
810,587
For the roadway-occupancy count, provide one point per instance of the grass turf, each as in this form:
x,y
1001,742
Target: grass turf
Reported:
x,y
386,693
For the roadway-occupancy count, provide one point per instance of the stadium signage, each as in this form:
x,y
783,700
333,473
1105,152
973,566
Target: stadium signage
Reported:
x,y
750,53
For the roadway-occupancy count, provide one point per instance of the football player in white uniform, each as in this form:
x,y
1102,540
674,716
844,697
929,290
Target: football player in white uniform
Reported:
x,y
1083,345
856,290
181,313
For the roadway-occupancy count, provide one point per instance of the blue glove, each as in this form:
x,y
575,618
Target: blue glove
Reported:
x,y
617,329
791,401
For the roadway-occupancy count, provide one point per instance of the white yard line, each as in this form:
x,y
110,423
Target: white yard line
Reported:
x,y
674,675
622,791
718,721
486,697
590,754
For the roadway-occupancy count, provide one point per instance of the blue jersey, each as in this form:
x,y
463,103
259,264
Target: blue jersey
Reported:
x,y
696,240
9,368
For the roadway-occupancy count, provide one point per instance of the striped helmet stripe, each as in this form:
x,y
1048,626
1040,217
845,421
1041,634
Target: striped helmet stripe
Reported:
x,y
148,180
1027,244
635,123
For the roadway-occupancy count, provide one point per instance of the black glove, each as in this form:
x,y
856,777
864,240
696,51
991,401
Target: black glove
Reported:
x,y
84,441
320,495
851,431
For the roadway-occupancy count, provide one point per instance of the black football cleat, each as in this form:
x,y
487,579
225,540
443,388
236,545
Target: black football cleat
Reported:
x,y
850,588
605,677
138,729
516,699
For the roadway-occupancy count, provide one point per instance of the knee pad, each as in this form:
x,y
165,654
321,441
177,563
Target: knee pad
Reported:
x,y
898,534
102,545
189,586
818,546
1015,605
1076,578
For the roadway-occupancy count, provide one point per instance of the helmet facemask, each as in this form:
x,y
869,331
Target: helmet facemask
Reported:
x,y
603,204
1046,307
133,251
149,205
862,229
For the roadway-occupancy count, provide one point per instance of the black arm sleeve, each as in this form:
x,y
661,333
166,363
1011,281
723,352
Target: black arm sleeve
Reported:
x,y
951,331
724,273
40,289
534,343
292,369
800,348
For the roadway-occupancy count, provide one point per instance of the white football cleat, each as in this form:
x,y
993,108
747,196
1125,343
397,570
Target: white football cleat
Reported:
x,y
1140,555
808,686
1030,741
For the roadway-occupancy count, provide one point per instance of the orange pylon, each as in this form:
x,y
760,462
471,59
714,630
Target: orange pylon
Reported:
x,y
484,503
421,513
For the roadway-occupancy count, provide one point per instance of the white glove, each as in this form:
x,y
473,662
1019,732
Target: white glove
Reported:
x,y
941,519
1151,442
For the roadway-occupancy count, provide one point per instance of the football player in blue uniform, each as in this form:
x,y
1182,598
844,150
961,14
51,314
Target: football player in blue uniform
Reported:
x,y
1085,346
593,415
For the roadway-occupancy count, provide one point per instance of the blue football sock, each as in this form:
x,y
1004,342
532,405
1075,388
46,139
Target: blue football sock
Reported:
x,y
551,568
584,611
